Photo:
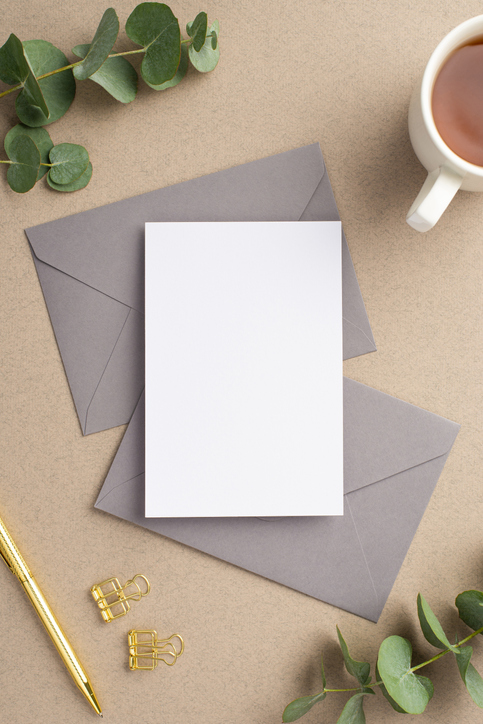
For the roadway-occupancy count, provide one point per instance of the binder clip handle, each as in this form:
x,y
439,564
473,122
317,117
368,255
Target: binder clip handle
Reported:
x,y
140,593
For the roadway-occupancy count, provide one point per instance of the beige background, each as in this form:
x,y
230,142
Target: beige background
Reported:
x,y
340,73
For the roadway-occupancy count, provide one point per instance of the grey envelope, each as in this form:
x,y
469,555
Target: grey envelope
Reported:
x,y
90,266
394,453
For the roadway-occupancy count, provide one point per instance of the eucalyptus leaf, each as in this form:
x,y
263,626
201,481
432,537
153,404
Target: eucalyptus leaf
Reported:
x,y
470,608
470,676
359,669
207,58
69,161
197,30
299,707
101,46
23,173
116,76
214,39
58,90
155,28
427,684
14,68
13,63
410,691
353,713
322,672
431,627
79,183
39,136
180,73
33,94
385,693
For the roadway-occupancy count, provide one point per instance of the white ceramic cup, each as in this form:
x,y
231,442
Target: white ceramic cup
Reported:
x,y
447,172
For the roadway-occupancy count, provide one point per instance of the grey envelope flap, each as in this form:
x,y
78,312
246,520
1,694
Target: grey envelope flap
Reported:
x,y
101,247
384,436
349,561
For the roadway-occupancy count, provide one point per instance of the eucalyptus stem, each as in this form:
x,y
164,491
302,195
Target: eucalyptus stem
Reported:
x,y
79,62
127,52
11,90
446,651
338,691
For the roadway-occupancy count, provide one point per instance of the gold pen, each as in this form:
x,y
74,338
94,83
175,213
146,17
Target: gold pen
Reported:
x,y
11,555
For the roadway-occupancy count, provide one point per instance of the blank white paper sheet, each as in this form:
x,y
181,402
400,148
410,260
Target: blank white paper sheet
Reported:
x,y
244,369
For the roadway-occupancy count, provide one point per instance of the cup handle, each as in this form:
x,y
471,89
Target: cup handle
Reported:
x,y
437,191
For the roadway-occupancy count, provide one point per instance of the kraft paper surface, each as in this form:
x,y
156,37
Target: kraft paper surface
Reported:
x,y
338,74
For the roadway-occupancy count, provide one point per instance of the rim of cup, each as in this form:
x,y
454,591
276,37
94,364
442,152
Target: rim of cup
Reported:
x,y
459,36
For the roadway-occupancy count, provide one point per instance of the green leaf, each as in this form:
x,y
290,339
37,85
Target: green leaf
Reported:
x,y
359,669
384,692
207,58
197,30
470,608
180,73
22,174
431,627
116,76
69,163
324,682
14,68
33,95
353,713
155,28
100,47
214,39
299,707
79,183
58,90
427,685
39,136
411,692
470,676
13,63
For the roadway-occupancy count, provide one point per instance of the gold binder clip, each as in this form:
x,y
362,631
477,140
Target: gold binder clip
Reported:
x,y
113,599
146,650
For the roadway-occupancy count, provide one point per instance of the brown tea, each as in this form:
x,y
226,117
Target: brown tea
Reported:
x,y
458,103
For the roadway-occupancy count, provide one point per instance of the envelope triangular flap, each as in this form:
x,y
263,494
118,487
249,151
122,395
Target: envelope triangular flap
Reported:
x,y
384,436
101,247
85,347
386,516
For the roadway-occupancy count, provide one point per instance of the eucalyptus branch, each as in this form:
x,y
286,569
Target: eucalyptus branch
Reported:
x,y
74,65
11,90
405,691
341,691
46,85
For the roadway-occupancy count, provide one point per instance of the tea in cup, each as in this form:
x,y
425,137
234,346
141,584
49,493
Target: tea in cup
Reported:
x,y
446,122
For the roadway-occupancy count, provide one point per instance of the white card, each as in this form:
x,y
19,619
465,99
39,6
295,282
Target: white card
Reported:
x,y
244,369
